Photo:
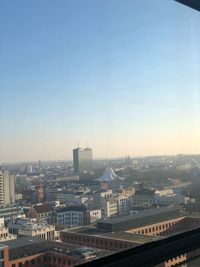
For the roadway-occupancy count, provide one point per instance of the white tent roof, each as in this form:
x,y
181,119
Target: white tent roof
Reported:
x,y
109,175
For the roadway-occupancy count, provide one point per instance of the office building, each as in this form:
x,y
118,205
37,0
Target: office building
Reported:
x,y
40,193
83,160
34,252
94,215
123,205
29,169
92,237
7,187
8,212
109,207
30,227
152,218
1,187
69,198
76,216
142,196
71,216
4,233
42,212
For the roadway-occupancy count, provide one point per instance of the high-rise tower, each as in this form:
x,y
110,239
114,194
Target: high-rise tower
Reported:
x,y
7,187
1,187
83,160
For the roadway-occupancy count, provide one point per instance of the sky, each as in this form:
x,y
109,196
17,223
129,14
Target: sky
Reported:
x,y
122,76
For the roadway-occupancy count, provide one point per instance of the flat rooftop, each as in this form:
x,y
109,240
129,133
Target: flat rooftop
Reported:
x,y
87,230
25,246
121,235
147,217
21,242
136,238
141,215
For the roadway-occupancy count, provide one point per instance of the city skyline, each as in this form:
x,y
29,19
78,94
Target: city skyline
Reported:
x,y
109,72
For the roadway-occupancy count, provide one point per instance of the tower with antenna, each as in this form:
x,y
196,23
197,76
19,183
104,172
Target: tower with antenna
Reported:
x,y
82,160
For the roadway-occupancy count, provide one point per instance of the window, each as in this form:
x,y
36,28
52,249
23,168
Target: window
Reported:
x,y
125,76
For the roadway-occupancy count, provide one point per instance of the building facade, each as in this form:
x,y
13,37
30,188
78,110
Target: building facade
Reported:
x,y
109,207
4,232
72,216
123,205
7,188
1,187
82,160
36,252
42,212
29,227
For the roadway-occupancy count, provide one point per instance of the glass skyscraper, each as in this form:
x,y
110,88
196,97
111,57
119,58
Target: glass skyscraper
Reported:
x,y
83,160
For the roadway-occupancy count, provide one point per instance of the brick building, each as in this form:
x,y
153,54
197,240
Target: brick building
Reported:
x,y
93,237
36,252
147,217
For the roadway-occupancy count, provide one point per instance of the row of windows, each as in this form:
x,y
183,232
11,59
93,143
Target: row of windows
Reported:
x,y
45,259
70,219
156,228
27,263
70,216
4,235
58,260
97,241
178,258
95,213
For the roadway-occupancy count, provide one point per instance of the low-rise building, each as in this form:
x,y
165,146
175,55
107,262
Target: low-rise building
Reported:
x,y
72,216
109,207
42,212
4,233
76,216
141,219
94,215
123,205
103,193
30,227
69,198
93,237
168,197
142,196
67,178
37,252
7,212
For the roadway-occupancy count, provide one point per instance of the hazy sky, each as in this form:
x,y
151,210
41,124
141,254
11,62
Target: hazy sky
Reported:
x,y
124,75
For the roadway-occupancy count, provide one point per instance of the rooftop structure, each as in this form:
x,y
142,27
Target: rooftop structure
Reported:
x,y
30,227
121,235
41,208
42,212
29,251
143,218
